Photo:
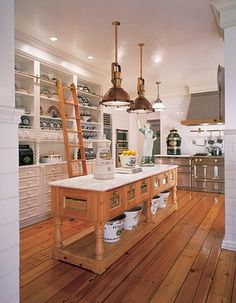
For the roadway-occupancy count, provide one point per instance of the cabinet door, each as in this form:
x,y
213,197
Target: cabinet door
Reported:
x,y
184,180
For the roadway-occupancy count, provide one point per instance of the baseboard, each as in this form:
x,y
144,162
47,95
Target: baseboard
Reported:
x,y
229,245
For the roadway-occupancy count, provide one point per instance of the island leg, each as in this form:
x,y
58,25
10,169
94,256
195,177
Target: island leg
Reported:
x,y
174,191
99,248
58,232
148,214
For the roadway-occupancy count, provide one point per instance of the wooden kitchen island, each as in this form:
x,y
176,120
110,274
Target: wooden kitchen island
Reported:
x,y
97,201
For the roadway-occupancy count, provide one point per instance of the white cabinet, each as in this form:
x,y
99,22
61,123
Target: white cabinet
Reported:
x,y
41,128
29,193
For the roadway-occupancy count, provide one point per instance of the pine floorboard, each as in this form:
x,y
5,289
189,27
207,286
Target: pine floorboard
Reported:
x,y
180,261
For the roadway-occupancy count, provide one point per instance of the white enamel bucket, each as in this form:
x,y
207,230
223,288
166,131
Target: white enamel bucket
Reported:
x,y
132,218
164,198
112,229
155,204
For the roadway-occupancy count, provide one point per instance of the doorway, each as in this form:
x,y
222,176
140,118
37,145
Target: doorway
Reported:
x,y
155,126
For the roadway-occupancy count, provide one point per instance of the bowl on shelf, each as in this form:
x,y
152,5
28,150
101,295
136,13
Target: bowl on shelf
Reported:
x,y
86,118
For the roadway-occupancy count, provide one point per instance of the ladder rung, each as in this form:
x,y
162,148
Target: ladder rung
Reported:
x,y
71,103
75,145
79,175
72,118
78,160
74,131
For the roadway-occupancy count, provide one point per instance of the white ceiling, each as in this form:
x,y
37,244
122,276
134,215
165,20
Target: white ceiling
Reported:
x,y
183,33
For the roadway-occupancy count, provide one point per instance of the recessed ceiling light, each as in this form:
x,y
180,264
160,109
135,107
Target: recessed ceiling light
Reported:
x,y
53,39
90,57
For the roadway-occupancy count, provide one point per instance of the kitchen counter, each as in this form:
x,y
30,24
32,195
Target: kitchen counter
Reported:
x,y
187,156
98,201
85,182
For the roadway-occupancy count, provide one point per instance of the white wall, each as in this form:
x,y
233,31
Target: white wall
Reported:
x,y
9,200
176,111
230,139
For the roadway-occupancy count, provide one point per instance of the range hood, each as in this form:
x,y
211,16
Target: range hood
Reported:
x,y
207,107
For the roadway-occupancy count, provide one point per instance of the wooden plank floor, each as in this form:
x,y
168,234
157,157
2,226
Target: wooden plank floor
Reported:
x,y
180,261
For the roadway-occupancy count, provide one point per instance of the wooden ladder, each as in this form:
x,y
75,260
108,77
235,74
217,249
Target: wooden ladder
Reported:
x,y
68,146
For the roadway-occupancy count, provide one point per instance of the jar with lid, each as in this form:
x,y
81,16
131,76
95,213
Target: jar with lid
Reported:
x,y
173,142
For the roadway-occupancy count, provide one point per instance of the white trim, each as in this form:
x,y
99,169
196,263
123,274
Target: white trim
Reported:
x,y
227,10
230,132
10,115
229,245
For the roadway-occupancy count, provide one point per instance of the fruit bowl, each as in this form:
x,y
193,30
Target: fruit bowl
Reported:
x,y
128,160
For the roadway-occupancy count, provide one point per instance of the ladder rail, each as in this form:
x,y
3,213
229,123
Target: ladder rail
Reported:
x,y
66,131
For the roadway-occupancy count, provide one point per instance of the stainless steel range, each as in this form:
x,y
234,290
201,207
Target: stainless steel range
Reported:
x,y
208,173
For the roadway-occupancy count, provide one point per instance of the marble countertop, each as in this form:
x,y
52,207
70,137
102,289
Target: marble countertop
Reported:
x,y
174,156
89,183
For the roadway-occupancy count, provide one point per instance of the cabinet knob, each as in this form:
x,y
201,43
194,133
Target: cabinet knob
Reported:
x,y
216,160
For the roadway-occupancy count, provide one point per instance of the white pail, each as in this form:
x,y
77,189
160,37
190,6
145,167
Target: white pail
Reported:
x,y
155,204
112,229
132,218
164,198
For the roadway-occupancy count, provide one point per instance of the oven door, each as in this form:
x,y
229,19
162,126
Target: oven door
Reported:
x,y
121,135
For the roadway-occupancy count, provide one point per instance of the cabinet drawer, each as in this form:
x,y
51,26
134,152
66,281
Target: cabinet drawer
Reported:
x,y
29,213
26,183
143,189
32,192
28,172
115,202
131,195
56,169
28,203
53,178
182,161
164,181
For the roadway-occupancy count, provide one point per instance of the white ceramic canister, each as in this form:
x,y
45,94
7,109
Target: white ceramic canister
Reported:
x,y
112,229
155,204
132,218
164,198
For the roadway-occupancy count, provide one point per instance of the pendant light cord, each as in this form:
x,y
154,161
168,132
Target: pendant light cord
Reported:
x,y
116,24
141,59
158,83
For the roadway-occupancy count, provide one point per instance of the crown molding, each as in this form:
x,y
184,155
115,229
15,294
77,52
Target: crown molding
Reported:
x,y
97,73
227,12
10,115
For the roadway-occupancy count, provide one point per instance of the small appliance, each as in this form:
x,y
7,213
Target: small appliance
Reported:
x,y
25,155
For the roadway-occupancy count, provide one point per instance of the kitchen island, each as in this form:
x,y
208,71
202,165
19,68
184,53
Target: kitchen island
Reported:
x,y
97,201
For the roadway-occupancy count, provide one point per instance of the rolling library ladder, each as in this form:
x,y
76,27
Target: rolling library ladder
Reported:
x,y
78,131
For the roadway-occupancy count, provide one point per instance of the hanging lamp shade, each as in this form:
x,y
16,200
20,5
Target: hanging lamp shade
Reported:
x,y
141,104
158,104
116,96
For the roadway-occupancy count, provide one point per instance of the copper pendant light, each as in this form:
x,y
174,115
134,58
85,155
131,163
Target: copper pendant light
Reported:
x,y
116,96
158,105
141,104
